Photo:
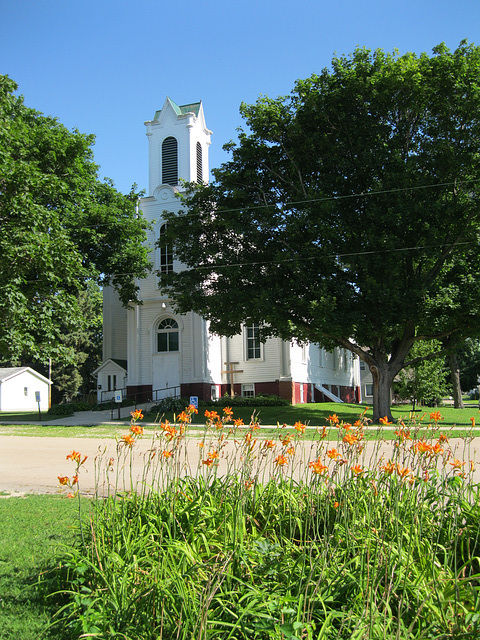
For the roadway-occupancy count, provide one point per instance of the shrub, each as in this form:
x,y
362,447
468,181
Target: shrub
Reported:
x,y
242,401
170,404
61,410
68,409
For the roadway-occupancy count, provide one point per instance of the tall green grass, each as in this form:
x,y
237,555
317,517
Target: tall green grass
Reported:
x,y
278,539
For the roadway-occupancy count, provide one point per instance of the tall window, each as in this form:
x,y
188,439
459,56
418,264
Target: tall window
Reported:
x,y
253,342
166,254
169,161
199,163
167,335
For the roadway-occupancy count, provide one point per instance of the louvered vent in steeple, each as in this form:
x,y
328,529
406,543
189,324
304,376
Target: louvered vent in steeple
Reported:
x,y
170,161
199,163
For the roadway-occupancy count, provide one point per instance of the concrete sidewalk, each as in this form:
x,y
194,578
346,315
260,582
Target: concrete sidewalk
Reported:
x,y
88,418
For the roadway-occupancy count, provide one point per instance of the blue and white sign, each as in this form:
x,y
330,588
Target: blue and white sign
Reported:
x,y
118,396
194,401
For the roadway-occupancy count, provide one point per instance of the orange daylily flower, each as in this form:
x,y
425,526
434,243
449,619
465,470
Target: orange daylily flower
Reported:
x,y
357,469
473,422
384,420
436,416
128,440
286,440
268,444
318,467
137,414
437,449
423,447
238,422
403,472
388,468
228,411
457,464
300,427
167,454
333,454
290,451
281,460
334,419
192,408
350,438
63,480
136,430
74,456
184,417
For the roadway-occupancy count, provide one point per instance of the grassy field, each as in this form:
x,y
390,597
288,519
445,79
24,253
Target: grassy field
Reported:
x,y
311,414
346,552
33,530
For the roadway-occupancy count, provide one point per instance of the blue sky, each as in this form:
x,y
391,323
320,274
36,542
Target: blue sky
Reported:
x,y
104,66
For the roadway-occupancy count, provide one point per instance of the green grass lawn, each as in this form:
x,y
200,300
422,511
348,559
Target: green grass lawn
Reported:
x,y
33,530
315,414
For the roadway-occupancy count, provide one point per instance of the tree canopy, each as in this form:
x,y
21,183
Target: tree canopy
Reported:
x,y
61,227
348,214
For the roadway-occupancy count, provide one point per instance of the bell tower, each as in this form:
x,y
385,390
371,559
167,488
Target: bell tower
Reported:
x,y
178,145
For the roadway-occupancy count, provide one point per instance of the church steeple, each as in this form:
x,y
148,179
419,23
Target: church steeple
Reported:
x,y
178,145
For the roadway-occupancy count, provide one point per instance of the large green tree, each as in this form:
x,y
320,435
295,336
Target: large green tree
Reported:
x,y
85,344
61,227
426,381
349,213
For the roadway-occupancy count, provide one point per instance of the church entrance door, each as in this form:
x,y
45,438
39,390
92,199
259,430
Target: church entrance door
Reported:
x,y
166,375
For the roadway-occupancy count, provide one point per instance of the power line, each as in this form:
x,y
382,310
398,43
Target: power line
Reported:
x,y
295,203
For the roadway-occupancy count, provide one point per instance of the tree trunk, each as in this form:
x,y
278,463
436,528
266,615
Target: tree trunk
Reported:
x,y
455,378
382,392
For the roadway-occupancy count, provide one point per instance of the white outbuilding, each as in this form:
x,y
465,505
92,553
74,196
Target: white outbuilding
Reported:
x,y
22,388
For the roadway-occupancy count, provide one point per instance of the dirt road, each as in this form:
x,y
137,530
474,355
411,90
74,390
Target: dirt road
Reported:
x,y
32,465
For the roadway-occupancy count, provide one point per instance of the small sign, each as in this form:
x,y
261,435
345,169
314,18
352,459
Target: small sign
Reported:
x,y
118,396
37,396
194,401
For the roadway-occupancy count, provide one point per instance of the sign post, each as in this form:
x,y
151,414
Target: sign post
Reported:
x,y
118,400
37,400
194,402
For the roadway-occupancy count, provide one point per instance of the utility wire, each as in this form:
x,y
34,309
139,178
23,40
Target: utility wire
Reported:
x,y
295,203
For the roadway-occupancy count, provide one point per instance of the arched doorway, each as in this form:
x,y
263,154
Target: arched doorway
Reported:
x,y
166,359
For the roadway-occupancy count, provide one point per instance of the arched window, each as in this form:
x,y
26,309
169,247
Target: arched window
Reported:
x,y
166,254
167,335
199,163
170,161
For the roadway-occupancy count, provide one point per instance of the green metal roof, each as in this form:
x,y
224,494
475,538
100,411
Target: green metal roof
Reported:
x,y
194,107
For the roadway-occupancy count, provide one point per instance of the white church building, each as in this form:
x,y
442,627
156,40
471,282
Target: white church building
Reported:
x,y
150,352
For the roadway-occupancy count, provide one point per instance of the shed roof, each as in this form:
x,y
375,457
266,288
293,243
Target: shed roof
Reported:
x,y
10,372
